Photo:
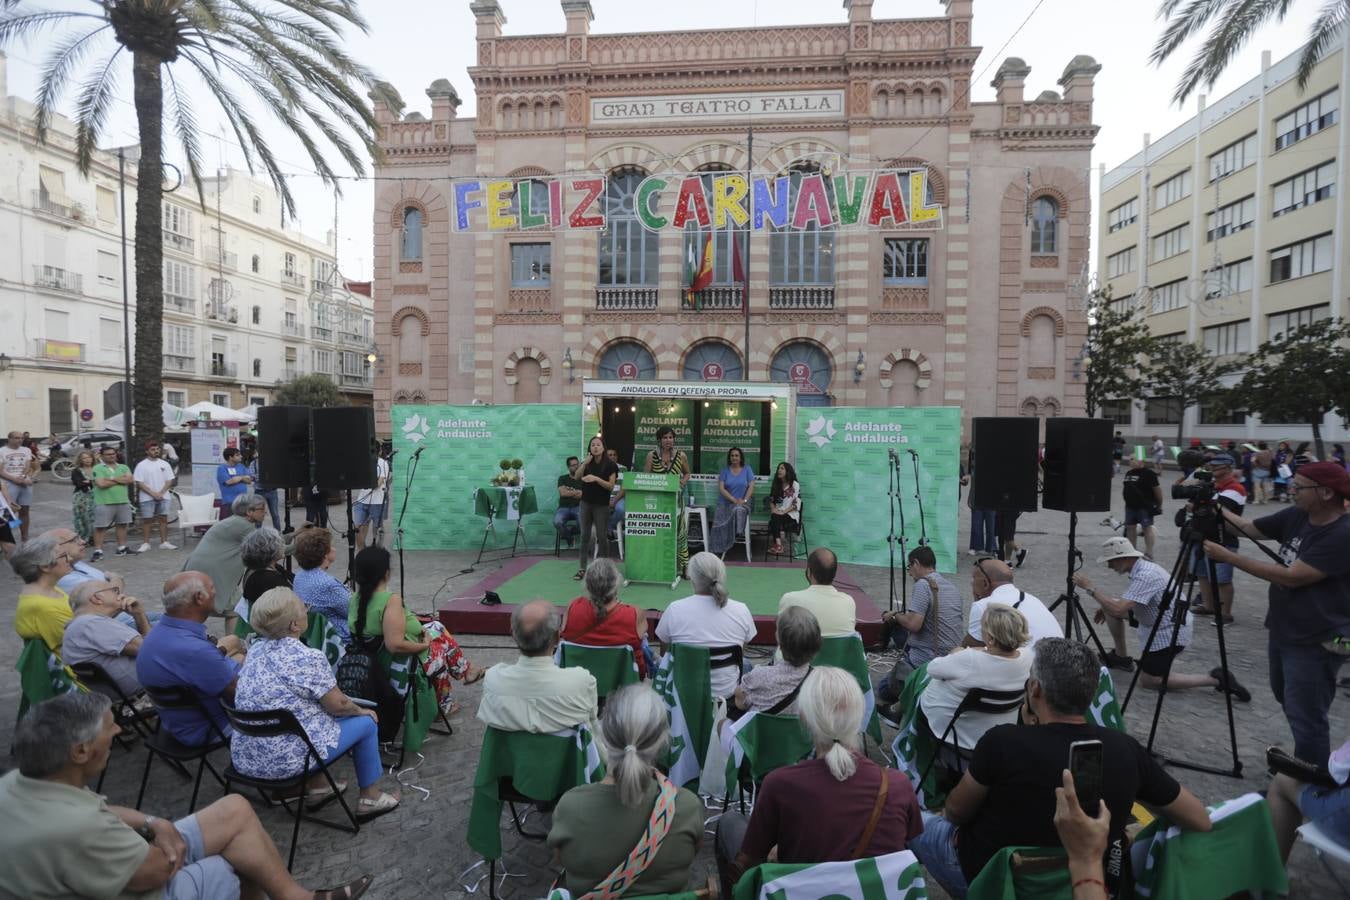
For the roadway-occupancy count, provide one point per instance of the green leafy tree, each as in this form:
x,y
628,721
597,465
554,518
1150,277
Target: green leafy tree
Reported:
x,y
1187,374
1235,22
313,390
1299,375
288,56
1118,343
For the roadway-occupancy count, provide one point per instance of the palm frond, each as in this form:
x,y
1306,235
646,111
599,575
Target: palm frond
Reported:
x,y
55,74
91,110
23,24
1179,30
185,125
1231,33
1332,17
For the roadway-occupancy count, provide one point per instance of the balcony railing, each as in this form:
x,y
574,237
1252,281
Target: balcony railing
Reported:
x,y
293,329
54,279
801,297
362,380
714,298
224,369
58,351
290,373
175,363
180,304
294,279
179,242
58,206
222,313
216,258
319,333
354,338
625,299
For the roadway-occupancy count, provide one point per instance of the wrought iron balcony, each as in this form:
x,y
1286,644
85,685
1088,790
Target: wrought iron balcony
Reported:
x,y
56,279
294,279
625,299
293,329
175,363
178,242
223,369
179,303
214,258
319,333
716,297
801,296
57,206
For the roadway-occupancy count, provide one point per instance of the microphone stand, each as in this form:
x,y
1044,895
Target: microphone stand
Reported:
x,y
411,472
890,534
918,495
904,542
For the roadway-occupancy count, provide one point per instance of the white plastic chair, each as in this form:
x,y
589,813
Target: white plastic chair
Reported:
x,y
702,513
198,511
1325,845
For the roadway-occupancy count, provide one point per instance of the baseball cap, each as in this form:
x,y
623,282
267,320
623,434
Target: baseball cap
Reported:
x,y
1221,459
1195,442
1118,548
1328,475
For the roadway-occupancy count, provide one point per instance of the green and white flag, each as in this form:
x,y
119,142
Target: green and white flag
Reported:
x,y
682,679
895,876
1105,708
42,675
321,635
762,742
613,667
847,653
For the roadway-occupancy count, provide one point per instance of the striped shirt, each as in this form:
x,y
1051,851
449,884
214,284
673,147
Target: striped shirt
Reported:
x,y
1147,582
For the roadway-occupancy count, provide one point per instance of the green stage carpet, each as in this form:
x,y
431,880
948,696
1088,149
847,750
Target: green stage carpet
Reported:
x,y
758,587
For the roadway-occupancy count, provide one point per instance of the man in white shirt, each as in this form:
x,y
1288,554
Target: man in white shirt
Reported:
x,y
533,694
834,610
154,477
368,505
991,581
18,467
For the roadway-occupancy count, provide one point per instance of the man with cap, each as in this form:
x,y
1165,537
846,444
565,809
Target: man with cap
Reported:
x,y
1309,612
1232,496
1143,601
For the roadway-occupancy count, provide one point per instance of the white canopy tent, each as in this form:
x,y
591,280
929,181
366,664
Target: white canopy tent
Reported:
x,y
218,413
175,419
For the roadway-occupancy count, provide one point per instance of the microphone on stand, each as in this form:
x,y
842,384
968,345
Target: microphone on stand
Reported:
x,y
418,452
914,453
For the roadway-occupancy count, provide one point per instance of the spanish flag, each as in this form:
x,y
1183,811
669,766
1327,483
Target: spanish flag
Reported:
x,y
700,270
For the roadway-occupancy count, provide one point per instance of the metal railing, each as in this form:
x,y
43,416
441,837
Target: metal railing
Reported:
x,y
714,298
224,369
56,205
294,279
216,258
801,297
625,299
354,338
320,333
179,242
57,279
293,329
58,351
176,363
222,313
362,380
181,304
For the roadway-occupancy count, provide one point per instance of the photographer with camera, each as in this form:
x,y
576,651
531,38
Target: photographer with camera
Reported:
x,y
1309,612
1214,483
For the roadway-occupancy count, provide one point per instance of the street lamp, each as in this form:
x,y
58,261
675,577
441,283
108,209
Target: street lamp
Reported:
x,y
567,364
859,368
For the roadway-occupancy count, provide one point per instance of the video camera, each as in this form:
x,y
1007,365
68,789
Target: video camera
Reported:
x,y
1203,521
1201,491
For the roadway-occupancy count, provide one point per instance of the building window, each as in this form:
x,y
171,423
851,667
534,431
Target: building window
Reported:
x,y
1173,242
1304,189
257,401
1125,214
177,220
1173,189
808,367
1169,296
108,265
109,334
1117,411
288,265
802,255
1045,226
1212,414
626,360
905,261
1306,120
220,399
628,252
257,368
1236,277
107,204
180,340
1122,263
179,282
712,361
257,315
1304,258
727,243
411,248
1234,217
323,361
531,265
1162,411
257,205
1237,155
176,398
1283,323
1226,340
256,264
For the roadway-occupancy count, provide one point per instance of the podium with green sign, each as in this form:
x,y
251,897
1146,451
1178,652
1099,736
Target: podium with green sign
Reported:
x,y
651,527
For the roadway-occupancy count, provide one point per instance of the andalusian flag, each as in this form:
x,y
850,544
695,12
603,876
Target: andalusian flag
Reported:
x,y
895,876
682,679
699,268
42,675
1238,855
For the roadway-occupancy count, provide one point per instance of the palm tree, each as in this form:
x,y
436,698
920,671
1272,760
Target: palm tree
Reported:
x,y
287,54
1237,21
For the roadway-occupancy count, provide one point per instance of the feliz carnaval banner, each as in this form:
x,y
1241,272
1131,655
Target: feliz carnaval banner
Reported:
x,y
881,198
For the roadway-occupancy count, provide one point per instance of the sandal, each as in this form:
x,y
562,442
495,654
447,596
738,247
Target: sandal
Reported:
x,y
450,709
474,675
315,799
581,573
371,809
349,891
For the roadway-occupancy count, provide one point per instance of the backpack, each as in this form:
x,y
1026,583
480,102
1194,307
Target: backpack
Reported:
x,y
360,677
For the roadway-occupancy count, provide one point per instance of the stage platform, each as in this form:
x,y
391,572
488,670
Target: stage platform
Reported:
x,y
757,585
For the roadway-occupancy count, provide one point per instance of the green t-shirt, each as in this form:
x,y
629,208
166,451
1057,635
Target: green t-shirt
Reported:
x,y
116,494
568,502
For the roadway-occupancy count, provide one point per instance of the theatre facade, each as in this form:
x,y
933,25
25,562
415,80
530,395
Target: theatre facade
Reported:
x,y
619,197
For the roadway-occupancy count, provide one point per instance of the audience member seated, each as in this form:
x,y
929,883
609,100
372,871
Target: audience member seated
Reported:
x,y
597,828
839,806
73,844
600,620
75,547
264,555
178,653
319,591
382,614
567,518
96,636
932,627
282,673
533,694
43,609
708,618
991,581
1002,664
834,610
217,554
1007,796
785,507
775,689
1329,807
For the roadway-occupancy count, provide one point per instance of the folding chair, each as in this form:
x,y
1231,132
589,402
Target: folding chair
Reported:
x,y
613,667
166,746
764,742
1324,845
793,535
847,652
124,710
977,700
276,723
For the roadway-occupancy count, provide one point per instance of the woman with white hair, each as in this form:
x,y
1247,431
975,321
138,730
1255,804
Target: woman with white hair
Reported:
x,y
264,555
709,618
839,806
598,828
282,673
1002,664
43,609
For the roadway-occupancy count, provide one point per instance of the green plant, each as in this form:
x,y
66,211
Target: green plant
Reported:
x,y
517,463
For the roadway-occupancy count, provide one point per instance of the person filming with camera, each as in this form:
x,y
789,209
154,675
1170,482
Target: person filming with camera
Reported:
x,y
1309,612
1229,494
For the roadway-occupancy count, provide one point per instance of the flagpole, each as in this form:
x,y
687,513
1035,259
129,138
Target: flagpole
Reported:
x,y
745,263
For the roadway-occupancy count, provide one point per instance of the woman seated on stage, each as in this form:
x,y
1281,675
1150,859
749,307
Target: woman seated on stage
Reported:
x,y
785,506
709,618
319,591
735,490
597,827
600,620
381,613
1002,664
1328,807
774,689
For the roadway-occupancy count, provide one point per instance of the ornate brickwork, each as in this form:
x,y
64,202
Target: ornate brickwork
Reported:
x,y
515,356
961,33
937,181
1055,194
904,298
860,34
527,318
1041,373
576,109
1053,313
1041,261
410,368
791,42
529,300
905,353
410,267
409,312
410,289
485,53
906,318
1044,287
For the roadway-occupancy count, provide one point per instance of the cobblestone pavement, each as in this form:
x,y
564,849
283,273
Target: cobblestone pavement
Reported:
x,y
420,850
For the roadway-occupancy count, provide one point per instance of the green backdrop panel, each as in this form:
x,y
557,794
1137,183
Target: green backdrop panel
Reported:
x,y
842,466
461,448
654,413
728,424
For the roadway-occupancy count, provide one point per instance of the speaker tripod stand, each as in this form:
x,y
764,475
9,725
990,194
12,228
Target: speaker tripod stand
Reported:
x,y
1076,621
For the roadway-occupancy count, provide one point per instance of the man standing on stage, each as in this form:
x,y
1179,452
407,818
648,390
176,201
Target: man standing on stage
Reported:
x,y
1143,501
1309,612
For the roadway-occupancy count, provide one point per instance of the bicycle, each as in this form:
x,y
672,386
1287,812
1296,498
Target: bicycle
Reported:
x,y
62,468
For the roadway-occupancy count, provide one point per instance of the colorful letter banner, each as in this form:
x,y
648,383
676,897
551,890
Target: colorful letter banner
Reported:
x,y
728,424
652,415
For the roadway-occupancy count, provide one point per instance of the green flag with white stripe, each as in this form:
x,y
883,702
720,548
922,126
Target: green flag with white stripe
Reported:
x,y
847,653
321,635
760,743
1239,854
42,675
684,683
895,876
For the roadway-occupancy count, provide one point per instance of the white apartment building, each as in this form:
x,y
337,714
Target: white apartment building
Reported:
x,y
1230,229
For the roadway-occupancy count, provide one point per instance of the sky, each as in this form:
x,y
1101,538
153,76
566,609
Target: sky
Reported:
x,y
413,42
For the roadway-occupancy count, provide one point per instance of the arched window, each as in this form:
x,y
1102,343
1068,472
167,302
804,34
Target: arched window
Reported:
x,y
627,360
628,252
725,241
1045,226
412,234
905,383
712,361
807,366
527,387
1040,352
802,255
256,264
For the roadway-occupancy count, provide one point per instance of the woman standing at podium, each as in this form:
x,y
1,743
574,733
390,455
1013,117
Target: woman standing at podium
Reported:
x,y
666,460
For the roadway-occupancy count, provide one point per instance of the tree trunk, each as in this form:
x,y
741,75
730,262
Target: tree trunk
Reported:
x,y
1317,439
148,385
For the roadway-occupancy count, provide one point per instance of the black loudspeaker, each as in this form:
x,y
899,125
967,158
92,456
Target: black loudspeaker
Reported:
x,y
1078,465
1003,457
345,447
283,446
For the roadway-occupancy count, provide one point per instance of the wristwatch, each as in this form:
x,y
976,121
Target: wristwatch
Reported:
x,y
147,828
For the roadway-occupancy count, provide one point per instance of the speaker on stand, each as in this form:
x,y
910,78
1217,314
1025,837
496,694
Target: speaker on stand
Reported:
x,y
1004,454
283,453
345,451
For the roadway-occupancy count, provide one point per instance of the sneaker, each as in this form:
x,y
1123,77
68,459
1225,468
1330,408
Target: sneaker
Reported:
x,y
96,556
1021,557
143,548
972,552
122,551
167,546
1113,660
1227,620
